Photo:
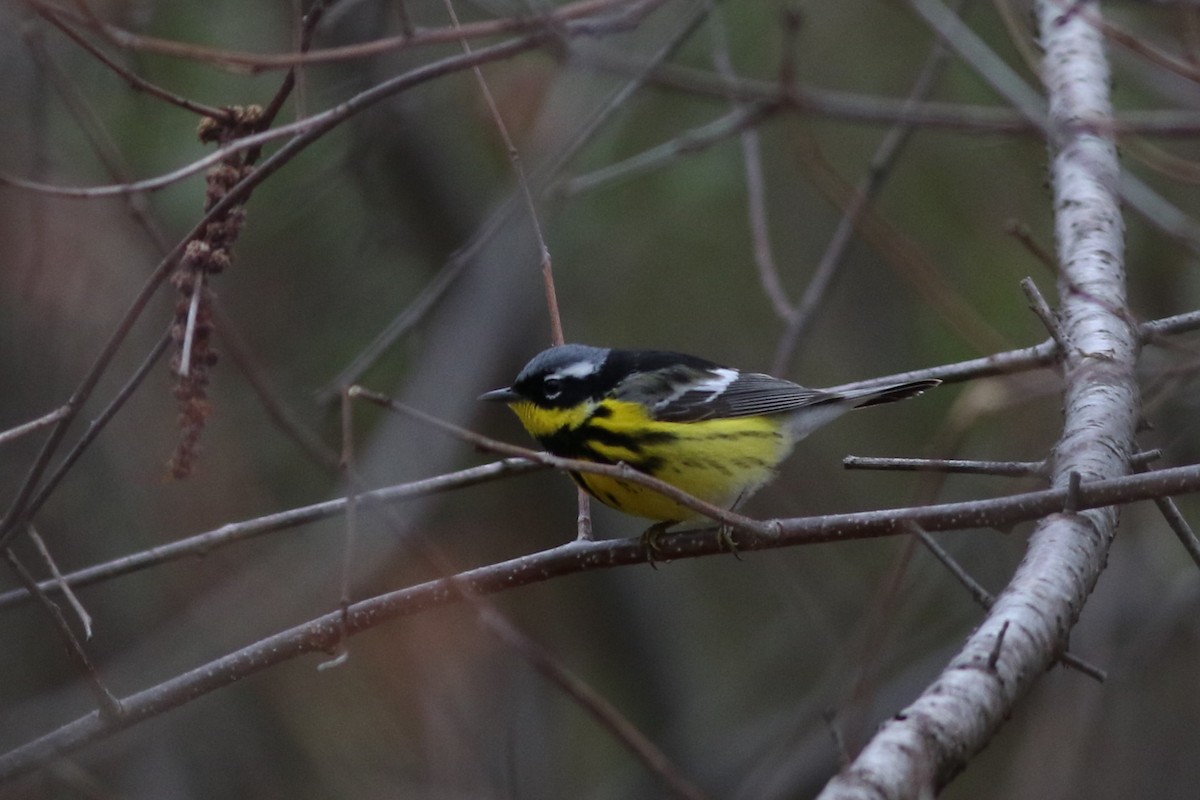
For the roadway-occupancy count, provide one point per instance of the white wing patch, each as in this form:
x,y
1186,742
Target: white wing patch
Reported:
x,y
720,380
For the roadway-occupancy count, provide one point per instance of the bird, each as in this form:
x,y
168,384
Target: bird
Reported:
x,y
712,431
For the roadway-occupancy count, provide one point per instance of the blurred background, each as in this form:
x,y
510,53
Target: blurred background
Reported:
x,y
753,675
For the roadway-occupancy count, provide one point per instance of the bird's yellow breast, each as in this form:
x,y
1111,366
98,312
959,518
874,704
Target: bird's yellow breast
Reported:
x,y
721,461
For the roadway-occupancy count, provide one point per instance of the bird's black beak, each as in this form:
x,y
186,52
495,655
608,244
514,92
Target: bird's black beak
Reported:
x,y
505,395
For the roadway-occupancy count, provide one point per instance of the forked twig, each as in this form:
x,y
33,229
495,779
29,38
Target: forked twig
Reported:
x,y
986,600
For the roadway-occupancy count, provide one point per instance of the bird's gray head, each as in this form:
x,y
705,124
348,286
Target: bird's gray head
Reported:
x,y
560,377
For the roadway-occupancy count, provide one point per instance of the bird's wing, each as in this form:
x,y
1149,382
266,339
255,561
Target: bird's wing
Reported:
x,y
686,393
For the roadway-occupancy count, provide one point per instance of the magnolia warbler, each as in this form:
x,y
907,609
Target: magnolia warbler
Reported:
x,y
712,431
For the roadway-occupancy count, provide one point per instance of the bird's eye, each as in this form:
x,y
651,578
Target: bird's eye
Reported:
x,y
552,387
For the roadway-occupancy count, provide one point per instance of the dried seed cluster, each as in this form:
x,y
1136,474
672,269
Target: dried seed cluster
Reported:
x,y
210,253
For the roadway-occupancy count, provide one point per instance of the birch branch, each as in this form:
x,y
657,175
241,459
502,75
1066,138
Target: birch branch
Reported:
x,y
923,747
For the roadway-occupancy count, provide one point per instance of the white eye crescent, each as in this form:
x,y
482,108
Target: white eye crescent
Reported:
x,y
552,387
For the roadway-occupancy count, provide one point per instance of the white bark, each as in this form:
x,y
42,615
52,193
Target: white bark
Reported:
x,y
919,750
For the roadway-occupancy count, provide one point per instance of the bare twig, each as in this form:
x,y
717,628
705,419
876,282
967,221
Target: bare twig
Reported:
x,y
110,708
98,424
1140,197
648,753
24,428
580,11
1039,306
756,190
985,599
1008,469
1175,520
319,634
878,170
85,619
272,403
1041,355
514,158
883,110
696,140
347,462
54,17
461,259
237,194
1020,231
206,542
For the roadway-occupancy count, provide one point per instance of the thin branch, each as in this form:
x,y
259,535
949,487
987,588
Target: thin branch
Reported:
x,y
1027,358
347,463
44,421
986,600
878,170
1140,197
1039,306
1175,520
272,403
255,62
696,140
85,619
319,634
110,706
1008,469
201,544
756,189
138,83
236,194
1020,231
880,110
1001,363
461,259
98,424
594,703
514,159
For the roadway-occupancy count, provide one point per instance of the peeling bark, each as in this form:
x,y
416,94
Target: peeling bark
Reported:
x,y
924,746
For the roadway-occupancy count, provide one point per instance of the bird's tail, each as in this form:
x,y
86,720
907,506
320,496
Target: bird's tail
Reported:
x,y
890,394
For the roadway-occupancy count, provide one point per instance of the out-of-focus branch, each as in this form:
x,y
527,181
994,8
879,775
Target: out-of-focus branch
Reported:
x,y
886,154
600,11
237,194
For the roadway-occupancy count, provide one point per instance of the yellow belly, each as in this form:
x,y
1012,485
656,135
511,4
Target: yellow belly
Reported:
x,y
721,461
